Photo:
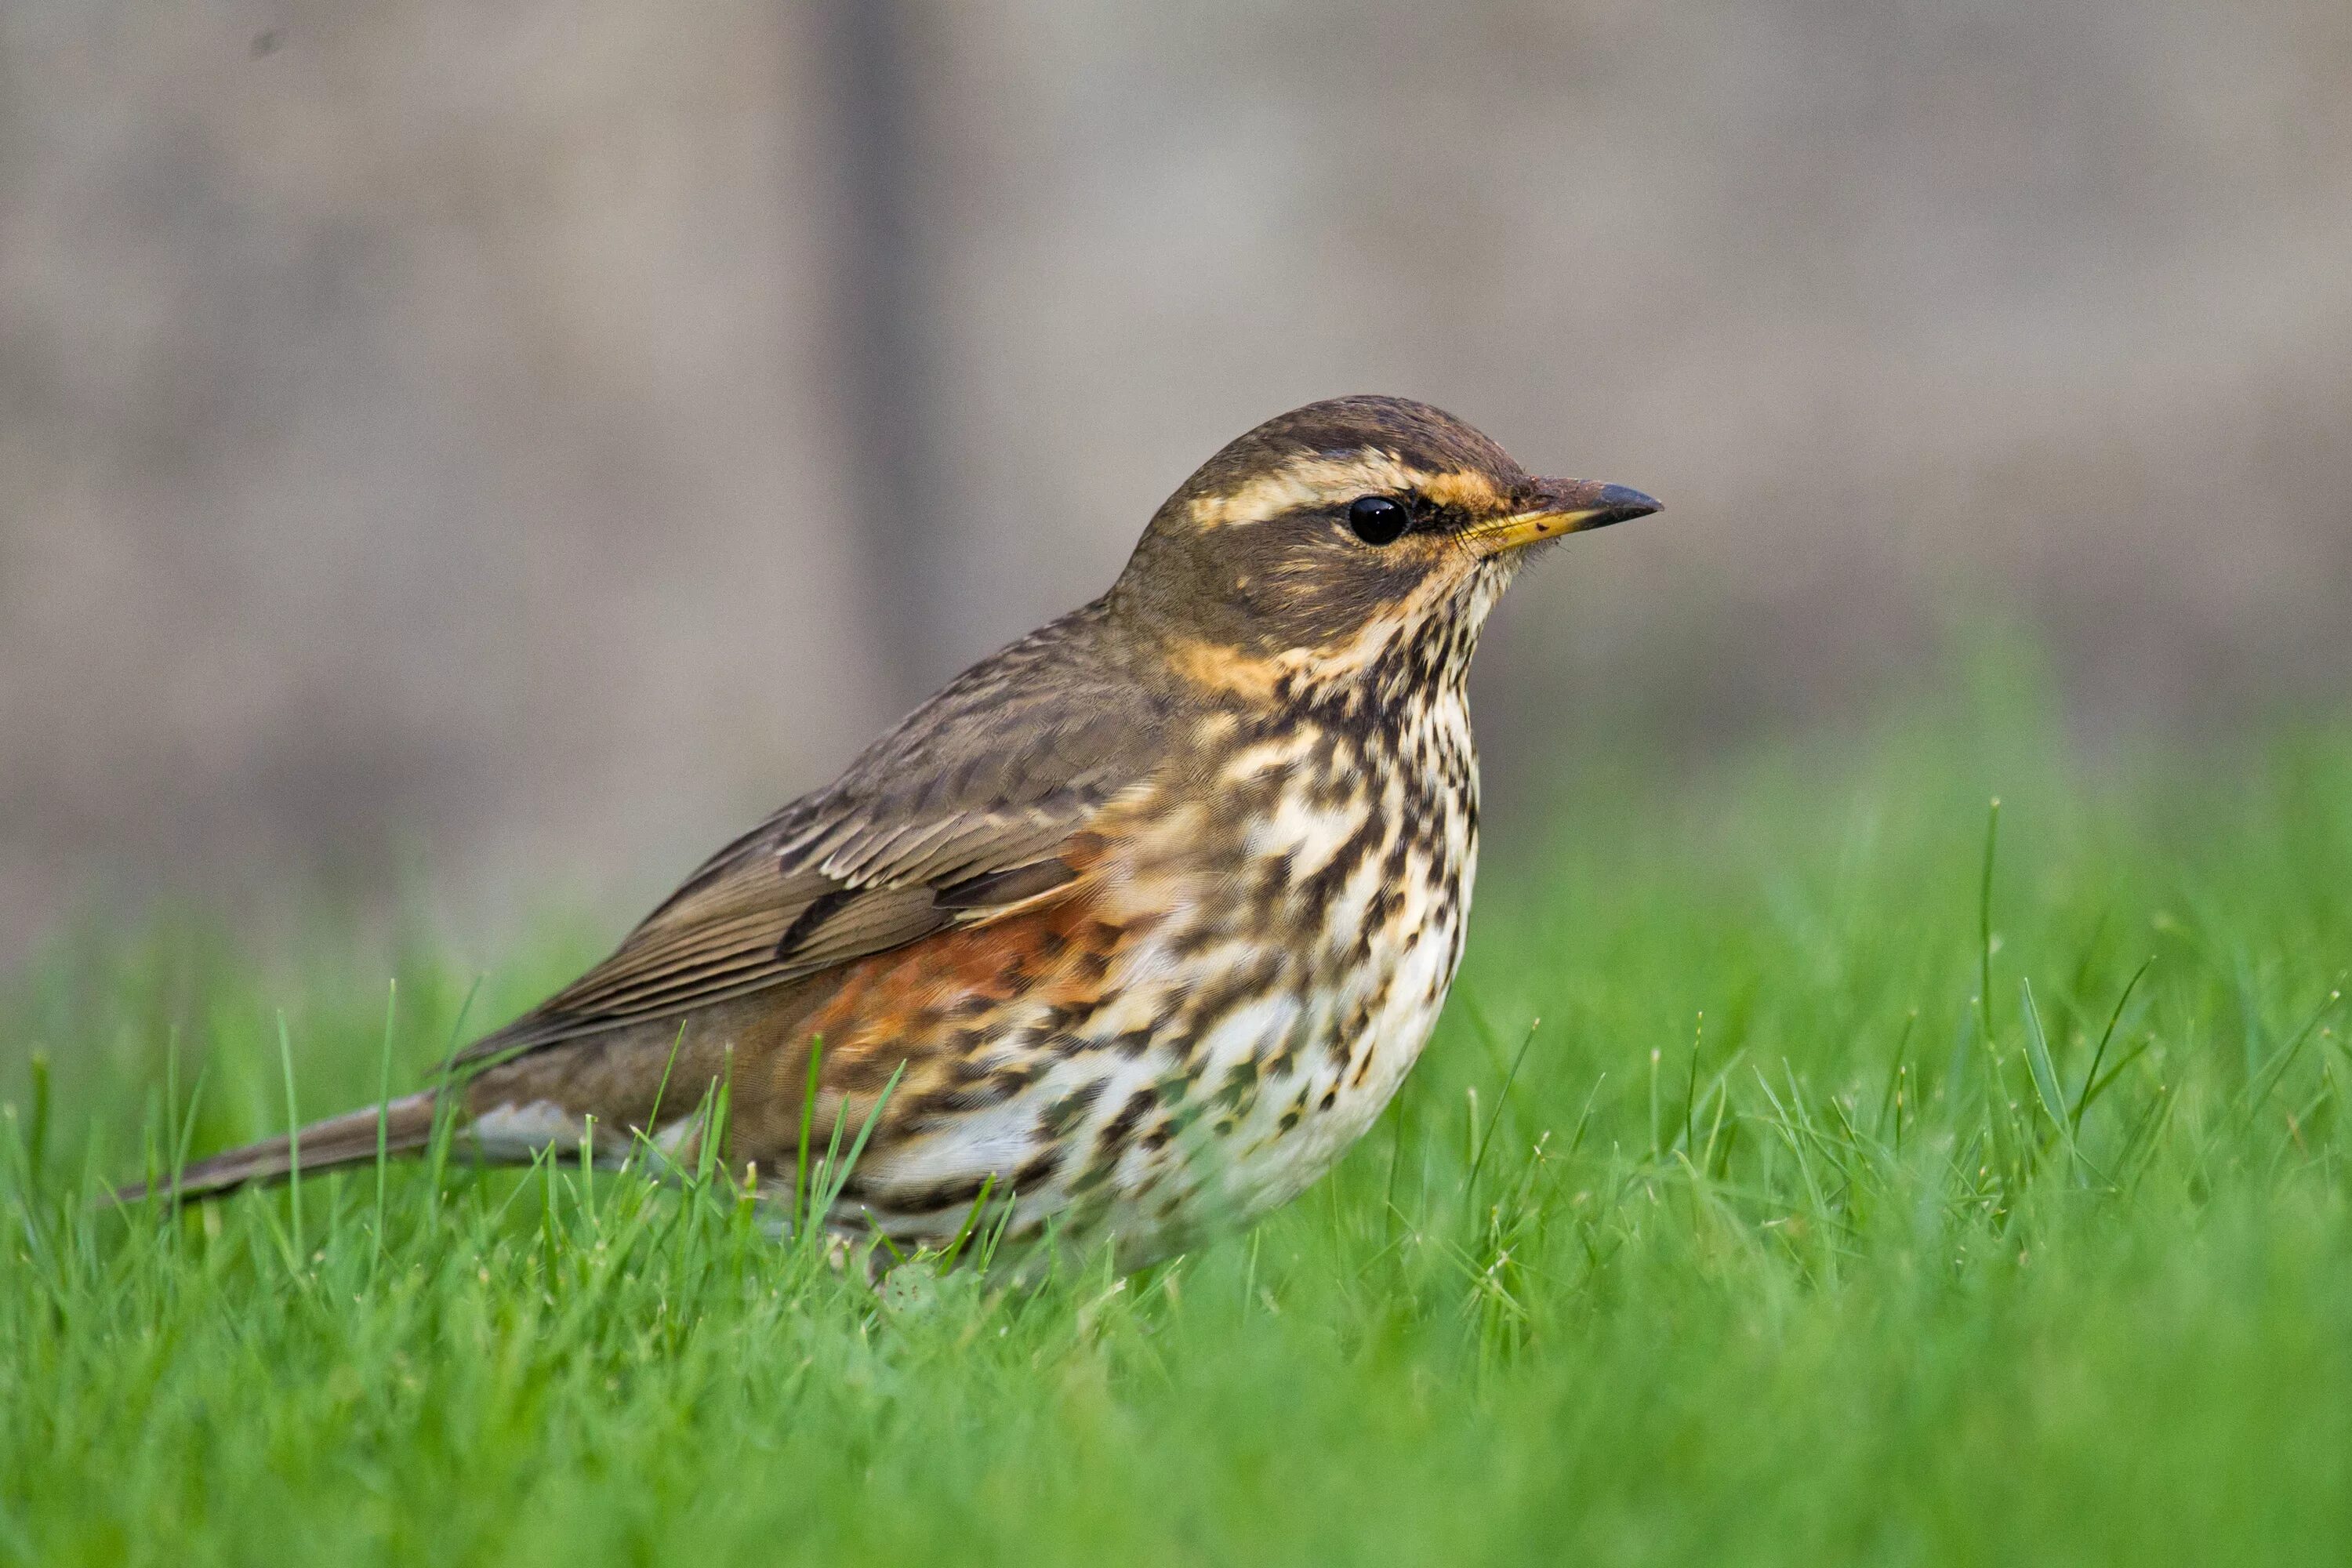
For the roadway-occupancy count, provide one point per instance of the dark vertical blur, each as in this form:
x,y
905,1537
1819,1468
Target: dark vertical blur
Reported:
x,y
887,332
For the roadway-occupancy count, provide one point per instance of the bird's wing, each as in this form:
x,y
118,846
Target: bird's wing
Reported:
x,y
982,802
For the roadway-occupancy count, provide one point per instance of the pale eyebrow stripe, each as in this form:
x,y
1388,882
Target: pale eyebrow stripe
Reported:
x,y
1464,487
1308,482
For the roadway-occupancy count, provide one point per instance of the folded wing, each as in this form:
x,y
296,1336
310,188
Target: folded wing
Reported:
x,y
984,800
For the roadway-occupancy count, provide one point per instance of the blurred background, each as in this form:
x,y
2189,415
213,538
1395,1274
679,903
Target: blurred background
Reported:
x,y
491,453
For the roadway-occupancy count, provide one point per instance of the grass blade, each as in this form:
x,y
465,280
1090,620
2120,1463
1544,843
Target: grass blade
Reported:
x,y
2044,1072
384,1108
293,1136
1984,916
1478,1162
2106,1037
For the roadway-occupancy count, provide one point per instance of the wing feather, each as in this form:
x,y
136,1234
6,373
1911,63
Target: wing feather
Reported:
x,y
982,800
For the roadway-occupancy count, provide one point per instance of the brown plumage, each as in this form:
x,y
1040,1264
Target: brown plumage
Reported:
x,y
1149,913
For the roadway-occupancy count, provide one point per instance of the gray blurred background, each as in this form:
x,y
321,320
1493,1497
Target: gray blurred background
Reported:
x,y
501,449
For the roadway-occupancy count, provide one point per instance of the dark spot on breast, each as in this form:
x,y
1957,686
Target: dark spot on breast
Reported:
x,y
1038,1169
861,1070
1196,939
1010,1081
924,1111
954,1193
1240,1086
1121,1127
1067,1111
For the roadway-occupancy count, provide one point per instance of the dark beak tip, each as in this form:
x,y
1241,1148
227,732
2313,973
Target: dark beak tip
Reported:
x,y
1622,503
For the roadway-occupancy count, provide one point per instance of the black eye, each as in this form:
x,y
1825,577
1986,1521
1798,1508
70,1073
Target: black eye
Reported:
x,y
1377,520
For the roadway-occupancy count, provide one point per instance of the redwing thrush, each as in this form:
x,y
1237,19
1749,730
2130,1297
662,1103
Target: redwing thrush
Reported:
x,y
1149,912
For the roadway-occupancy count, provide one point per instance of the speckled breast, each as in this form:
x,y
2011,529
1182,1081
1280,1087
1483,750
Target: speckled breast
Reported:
x,y
1265,946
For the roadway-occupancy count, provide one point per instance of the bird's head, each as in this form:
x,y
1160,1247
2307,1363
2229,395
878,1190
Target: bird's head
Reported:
x,y
1340,531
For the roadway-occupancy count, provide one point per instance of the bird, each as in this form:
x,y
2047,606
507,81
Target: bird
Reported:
x,y
1131,931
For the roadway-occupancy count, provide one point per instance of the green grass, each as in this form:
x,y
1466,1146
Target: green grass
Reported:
x,y
1769,1250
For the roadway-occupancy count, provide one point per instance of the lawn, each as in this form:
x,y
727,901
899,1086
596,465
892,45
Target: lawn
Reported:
x,y
1791,1179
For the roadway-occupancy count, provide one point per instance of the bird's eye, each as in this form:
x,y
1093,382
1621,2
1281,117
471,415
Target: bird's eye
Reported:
x,y
1377,520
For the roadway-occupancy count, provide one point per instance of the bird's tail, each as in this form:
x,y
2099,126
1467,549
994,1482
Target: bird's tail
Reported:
x,y
350,1139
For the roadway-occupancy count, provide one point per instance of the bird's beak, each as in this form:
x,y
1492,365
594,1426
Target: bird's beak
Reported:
x,y
1559,508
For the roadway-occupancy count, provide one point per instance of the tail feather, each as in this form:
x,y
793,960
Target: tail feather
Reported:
x,y
350,1139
